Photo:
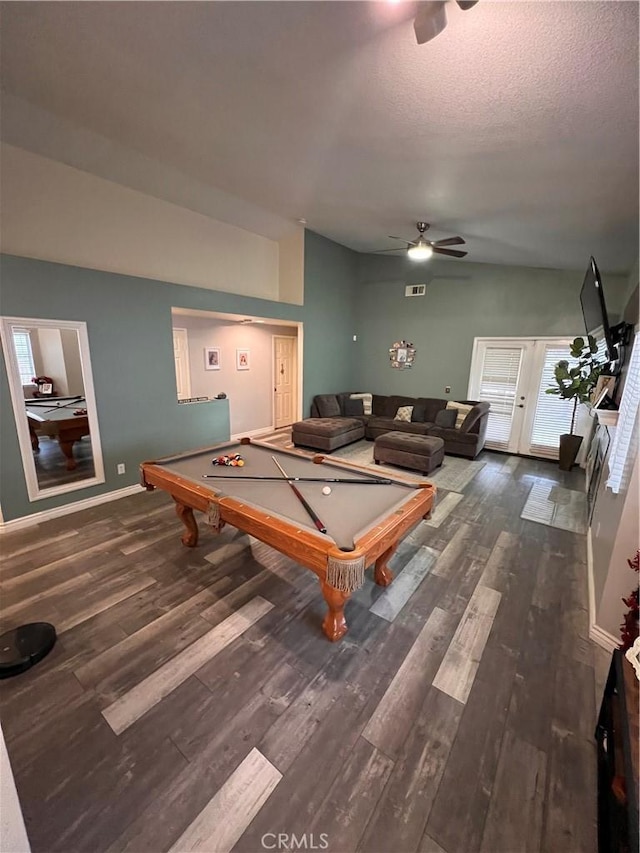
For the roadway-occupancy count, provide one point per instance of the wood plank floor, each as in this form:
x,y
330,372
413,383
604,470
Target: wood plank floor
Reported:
x,y
193,703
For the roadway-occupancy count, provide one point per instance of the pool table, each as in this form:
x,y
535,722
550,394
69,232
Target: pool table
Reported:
x,y
364,521
55,417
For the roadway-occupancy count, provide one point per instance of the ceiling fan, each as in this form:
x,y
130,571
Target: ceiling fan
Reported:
x,y
422,249
431,18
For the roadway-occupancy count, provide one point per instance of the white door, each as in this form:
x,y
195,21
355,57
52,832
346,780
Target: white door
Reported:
x,y
513,374
499,375
284,380
181,359
548,416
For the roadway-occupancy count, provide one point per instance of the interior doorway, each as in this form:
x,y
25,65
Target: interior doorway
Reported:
x,y
285,380
512,374
181,359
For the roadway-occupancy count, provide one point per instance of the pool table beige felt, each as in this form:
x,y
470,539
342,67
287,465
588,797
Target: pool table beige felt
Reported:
x,y
364,522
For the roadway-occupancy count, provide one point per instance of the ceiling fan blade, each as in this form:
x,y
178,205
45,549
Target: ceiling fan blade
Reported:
x,y
430,20
450,241
453,253
466,4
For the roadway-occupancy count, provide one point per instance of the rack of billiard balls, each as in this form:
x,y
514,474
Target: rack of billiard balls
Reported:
x,y
235,460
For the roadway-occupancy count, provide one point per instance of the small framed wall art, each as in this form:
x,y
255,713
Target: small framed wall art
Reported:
x,y
242,359
212,358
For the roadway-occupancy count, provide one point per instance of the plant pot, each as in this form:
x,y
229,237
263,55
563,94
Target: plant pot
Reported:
x,y
569,447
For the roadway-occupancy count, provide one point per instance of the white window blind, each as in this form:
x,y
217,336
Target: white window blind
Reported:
x,y
625,440
498,384
553,414
24,354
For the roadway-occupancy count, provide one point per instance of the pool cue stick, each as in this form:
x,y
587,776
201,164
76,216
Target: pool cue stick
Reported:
x,y
363,482
297,493
41,405
73,402
399,481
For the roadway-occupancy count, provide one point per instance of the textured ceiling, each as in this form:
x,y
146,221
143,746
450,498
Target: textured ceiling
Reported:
x,y
517,127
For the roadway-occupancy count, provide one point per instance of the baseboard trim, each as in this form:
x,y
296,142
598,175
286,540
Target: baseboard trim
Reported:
x,y
67,509
254,433
603,638
590,583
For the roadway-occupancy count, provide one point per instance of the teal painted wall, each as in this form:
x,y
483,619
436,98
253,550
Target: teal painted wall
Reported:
x,y
330,303
463,301
129,327
130,338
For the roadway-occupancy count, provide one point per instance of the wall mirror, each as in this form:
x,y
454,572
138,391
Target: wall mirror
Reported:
x,y
49,372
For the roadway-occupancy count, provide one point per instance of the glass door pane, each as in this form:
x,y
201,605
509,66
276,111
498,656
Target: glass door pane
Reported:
x,y
497,384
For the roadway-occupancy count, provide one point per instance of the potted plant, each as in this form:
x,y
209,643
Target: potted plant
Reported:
x,y
576,383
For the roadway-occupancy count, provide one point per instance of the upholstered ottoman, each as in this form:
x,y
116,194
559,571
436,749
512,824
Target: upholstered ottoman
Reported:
x,y
327,433
420,452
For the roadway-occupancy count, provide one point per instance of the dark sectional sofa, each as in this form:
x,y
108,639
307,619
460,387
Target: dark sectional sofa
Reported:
x,y
429,417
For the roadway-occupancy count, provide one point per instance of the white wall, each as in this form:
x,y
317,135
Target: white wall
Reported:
x,y
620,579
13,836
250,392
614,532
52,359
291,281
54,212
72,361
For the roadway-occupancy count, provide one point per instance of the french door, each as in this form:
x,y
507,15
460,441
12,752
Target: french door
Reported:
x,y
512,374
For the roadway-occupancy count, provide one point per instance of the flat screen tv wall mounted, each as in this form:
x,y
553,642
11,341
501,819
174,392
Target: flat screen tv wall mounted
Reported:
x,y
596,319
594,309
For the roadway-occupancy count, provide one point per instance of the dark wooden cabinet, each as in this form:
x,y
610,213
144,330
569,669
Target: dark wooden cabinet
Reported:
x,y
617,738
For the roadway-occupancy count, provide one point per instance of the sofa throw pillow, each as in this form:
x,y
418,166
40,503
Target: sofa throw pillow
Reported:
x,y
417,415
446,418
353,408
404,414
327,405
366,401
461,409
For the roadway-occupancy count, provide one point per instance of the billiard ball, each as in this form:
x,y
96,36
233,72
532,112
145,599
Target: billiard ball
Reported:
x,y
326,490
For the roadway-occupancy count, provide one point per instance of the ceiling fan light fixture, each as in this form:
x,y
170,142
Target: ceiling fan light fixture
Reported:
x,y
422,251
430,20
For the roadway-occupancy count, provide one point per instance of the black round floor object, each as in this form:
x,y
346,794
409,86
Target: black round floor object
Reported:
x,y
23,647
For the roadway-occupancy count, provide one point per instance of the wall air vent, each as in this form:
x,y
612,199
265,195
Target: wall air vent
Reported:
x,y
415,290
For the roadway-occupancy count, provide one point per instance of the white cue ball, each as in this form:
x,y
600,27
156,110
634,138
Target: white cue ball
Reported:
x,y
326,490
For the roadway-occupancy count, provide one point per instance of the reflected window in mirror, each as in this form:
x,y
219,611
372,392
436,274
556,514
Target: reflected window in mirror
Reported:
x,y
49,372
24,355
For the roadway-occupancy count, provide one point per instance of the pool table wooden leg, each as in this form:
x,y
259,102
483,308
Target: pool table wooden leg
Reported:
x,y
382,574
185,514
67,449
334,624
35,441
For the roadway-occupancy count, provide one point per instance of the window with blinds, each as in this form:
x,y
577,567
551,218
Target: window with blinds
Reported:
x,y
553,414
24,354
625,440
498,384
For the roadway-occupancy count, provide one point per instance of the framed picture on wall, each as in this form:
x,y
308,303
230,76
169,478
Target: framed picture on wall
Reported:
x,y
242,359
212,358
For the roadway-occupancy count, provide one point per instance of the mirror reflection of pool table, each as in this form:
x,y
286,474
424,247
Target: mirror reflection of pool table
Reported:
x,y
55,417
364,522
